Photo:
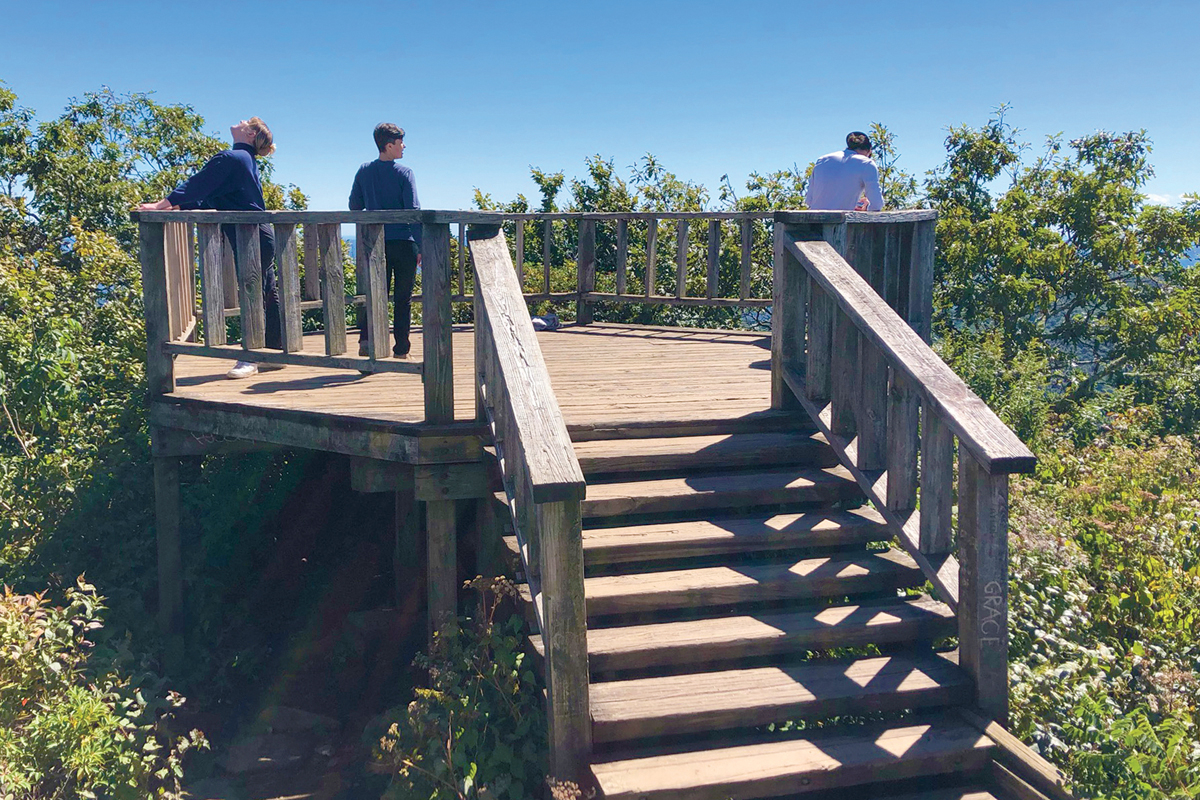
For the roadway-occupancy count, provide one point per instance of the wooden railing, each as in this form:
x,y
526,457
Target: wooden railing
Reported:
x,y
873,386
544,486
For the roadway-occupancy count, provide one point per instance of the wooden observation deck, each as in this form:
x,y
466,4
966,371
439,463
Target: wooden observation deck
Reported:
x,y
717,531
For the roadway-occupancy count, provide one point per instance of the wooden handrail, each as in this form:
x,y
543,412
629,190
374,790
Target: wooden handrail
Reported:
x,y
975,424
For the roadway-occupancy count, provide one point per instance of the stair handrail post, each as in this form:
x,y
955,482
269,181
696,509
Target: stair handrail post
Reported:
x,y
544,486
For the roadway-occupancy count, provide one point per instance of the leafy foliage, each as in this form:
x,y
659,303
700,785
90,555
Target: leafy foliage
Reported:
x,y
479,725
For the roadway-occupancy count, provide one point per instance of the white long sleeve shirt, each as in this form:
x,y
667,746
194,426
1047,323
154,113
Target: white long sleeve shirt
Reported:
x,y
838,179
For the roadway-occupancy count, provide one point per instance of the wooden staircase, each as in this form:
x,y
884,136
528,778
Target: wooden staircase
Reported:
x,y
751,633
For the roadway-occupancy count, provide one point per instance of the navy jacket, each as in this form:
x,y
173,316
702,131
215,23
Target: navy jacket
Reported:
x,y
228,182
381,185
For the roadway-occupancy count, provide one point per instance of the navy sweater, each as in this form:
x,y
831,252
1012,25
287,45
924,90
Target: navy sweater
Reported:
x,y
228,182
381,185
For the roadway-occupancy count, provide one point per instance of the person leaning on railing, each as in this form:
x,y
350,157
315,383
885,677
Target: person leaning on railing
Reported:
x,y
846,180
229,182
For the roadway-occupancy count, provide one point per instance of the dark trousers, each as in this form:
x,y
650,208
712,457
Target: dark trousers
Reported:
x,y
270,285
400,256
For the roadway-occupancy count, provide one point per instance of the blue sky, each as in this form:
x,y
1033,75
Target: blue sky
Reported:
x,y
487,89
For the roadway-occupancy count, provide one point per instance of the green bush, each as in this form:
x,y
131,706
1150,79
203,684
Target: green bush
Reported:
x,y
67,730
478,729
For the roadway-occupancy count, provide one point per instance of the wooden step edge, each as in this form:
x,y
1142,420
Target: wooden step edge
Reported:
x,y
744,698
716,536
719,586
756,422
707,493
797,766
787,449
689,643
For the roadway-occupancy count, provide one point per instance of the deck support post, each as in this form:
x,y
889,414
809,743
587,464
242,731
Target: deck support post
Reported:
x,y
436,323
442,550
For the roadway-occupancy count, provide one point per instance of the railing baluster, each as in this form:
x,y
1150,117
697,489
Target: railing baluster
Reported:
x,y
651,254
681,254
333,287
846,366
250,292
436,323
891,266
747,242
547,238
288,269
873,407
817,373
229,276
585,270
920,283
369,258
462,259
904,417
212,296
937,482
713,282
519,262
622,253
312,262
983,583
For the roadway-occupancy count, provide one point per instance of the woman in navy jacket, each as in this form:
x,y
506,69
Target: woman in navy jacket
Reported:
x,y
229,182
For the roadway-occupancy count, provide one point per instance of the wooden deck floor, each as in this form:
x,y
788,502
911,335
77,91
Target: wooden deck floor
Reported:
x,y
603,374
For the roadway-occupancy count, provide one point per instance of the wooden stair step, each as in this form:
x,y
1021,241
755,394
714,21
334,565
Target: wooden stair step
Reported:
x,y
716,536
679,453
741,489
753,422
743,698
801,765
828,576
694,642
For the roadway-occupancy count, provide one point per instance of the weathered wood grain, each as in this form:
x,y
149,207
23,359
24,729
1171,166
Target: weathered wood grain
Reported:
x,y
904,417
585,270
160,370
370,261
681,254
651,255
920,282
937,484
229,277
437,322
872,407
312,262
300,359
547,238
1024,763
983,584
747,230
622,261
212,302
713,276
845,389
788,322
668,300
818,367
441,550
250,287
976,425
333,288
686,453
287,261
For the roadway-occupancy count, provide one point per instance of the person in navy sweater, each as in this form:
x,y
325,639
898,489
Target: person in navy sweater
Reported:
x,y
229,182
386,184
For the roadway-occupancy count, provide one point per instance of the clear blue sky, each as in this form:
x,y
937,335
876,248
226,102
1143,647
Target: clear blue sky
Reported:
x,y
487,89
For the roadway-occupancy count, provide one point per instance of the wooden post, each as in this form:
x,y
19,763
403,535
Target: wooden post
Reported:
x,y
565,637
442,550
436,323
651,255
681,252
983,584
713,280
312,262
369,257
519,247
585,270
212,296
333,287
250,287
462,259
872,407
166,528
481,350
920,285
787,321
229,278
747,242
547,253
622,253
904,417
937,483
160,367
846,367
291,333
891,266
817,368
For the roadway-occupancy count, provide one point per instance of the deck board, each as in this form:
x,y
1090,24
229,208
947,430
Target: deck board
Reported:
x,y
600,373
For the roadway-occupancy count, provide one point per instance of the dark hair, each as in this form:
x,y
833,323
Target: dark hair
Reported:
x,y
386,133
857,140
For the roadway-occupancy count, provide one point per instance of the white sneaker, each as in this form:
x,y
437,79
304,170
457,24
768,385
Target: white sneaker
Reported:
x,y
242,369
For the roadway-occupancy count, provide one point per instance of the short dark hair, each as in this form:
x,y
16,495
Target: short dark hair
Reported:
x,y
386,133
855,140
